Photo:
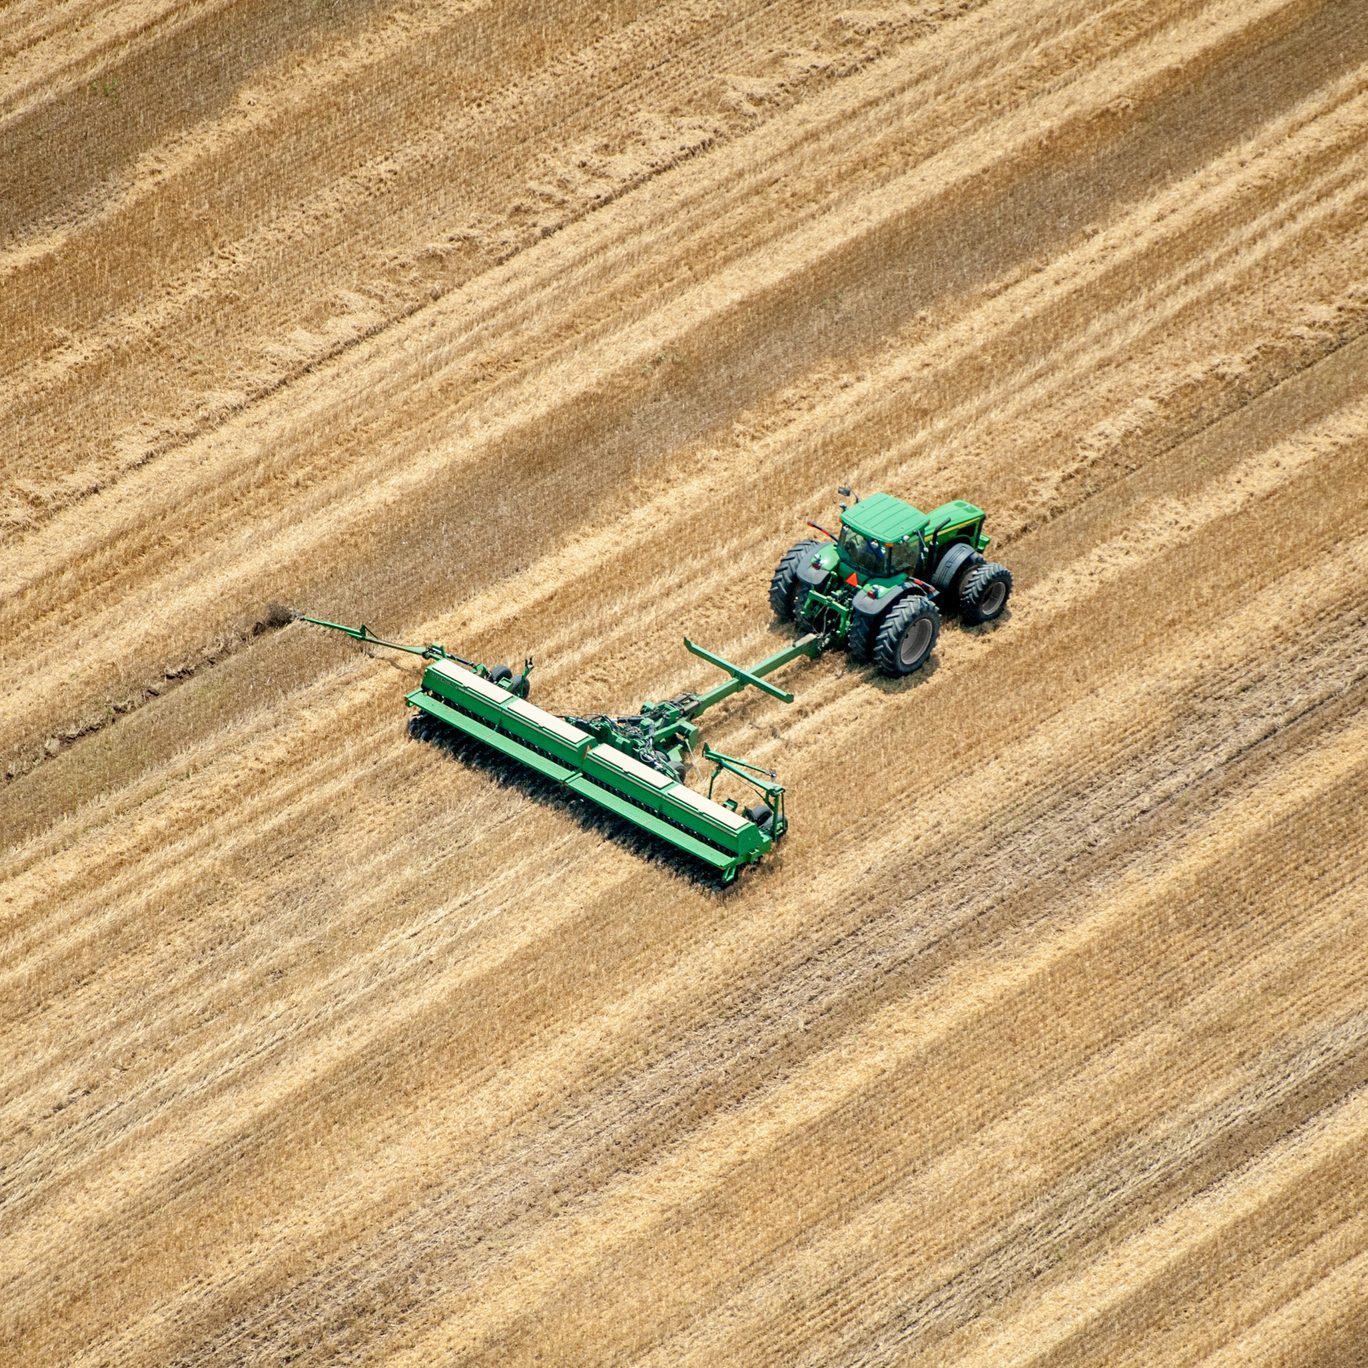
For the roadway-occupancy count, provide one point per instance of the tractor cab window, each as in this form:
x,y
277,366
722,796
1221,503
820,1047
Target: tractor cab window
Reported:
x,y
864,553
905,556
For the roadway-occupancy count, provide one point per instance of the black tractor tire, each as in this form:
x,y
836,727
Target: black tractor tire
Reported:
x,y
761,814
784,584
954,568
907,636
860,643
984,593
498,673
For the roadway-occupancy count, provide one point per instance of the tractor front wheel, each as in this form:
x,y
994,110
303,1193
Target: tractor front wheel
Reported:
x,y
784,584
907,636
984,592
860,642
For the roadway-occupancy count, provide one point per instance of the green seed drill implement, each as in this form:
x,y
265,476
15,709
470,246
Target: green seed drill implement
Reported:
x,y
631,766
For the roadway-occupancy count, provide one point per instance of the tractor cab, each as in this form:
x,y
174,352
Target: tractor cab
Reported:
x,y
881,538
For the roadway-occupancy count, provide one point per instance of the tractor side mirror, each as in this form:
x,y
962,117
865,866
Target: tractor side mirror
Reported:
x,y
843,491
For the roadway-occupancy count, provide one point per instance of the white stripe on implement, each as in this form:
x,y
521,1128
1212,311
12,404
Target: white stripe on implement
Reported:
x,y
628,764
468,679
558,726
716,811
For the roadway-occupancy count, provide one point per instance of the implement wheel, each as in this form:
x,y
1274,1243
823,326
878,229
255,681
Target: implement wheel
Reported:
x,y
761,814
984,592
907,636
784,584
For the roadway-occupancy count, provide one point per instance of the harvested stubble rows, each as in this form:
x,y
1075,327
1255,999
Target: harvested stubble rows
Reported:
x,y
543,327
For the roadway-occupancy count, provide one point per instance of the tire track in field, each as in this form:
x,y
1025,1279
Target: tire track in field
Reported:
x,y
69,42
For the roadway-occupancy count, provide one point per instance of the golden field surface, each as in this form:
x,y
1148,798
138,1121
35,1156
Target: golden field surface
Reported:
x,y
1041,1039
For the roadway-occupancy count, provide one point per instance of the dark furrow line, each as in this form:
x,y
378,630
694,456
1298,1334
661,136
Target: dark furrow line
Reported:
x,y
275,617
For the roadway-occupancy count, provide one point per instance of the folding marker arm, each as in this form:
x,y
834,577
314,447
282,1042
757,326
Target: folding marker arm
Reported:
x,y
743,769
432,651
765,780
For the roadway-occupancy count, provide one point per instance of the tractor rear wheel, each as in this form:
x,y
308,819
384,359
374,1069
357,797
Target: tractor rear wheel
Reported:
x,y
784,584
984,592
955,567
907,636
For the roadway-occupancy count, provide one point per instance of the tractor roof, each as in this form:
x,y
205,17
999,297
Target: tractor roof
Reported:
x,y
883,518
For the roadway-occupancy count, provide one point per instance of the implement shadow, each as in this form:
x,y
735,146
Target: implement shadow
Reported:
x,y
508,774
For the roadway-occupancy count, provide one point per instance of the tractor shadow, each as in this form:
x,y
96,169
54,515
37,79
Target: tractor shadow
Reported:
x,y
985,628
507,773
906,683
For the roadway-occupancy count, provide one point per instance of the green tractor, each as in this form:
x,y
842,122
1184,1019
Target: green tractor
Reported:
x,y
880,586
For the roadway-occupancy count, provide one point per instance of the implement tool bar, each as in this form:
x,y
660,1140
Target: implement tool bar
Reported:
x,y
808,645
743,676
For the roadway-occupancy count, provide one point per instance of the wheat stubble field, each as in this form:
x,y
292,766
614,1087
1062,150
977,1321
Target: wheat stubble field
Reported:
x,y
543,327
